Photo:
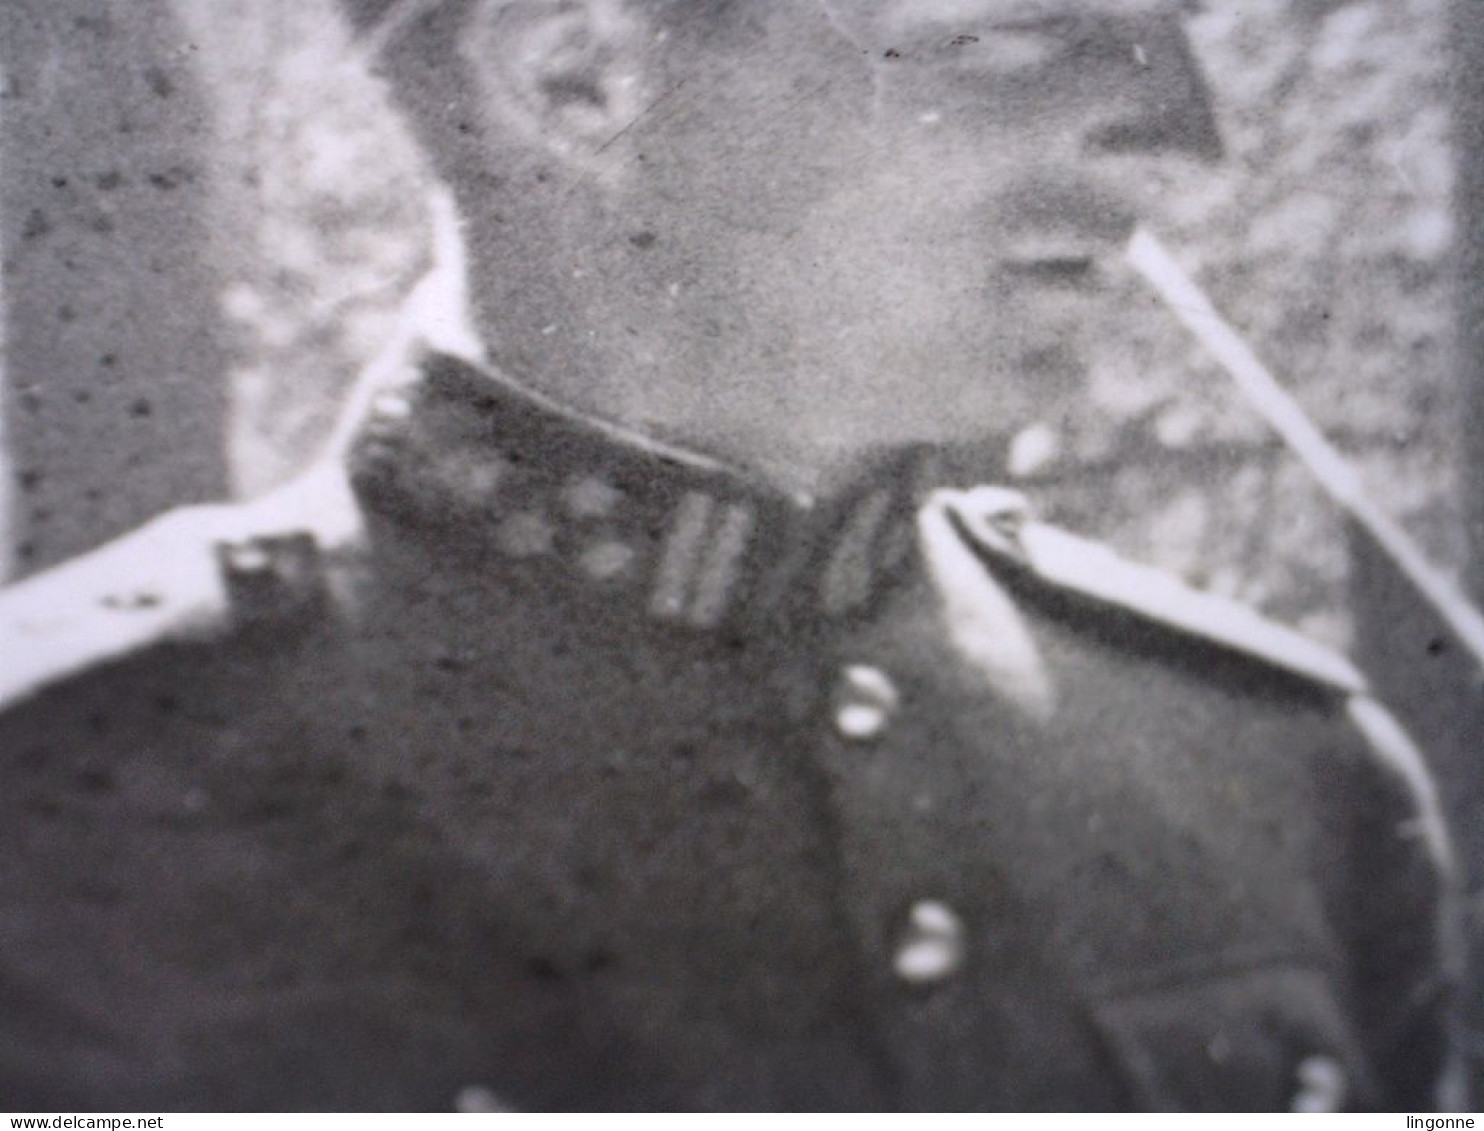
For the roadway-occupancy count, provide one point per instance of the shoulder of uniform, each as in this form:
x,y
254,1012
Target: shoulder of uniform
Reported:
x,y
996,523
190,573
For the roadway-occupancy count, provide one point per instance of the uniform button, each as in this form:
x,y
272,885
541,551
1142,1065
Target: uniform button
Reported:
x,y
998,516
865,701
1322,1085
391,406
932,946
1033,450
388,414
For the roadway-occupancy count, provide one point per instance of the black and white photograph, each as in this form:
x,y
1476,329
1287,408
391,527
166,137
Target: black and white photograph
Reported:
x,y
741,555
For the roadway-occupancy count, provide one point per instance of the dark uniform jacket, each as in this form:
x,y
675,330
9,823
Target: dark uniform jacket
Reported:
x,y
603,776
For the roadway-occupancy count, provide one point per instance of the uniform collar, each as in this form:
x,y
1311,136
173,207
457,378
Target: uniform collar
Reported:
x,y
678,538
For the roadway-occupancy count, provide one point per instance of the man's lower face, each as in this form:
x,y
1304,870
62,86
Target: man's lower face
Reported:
x,y
901,305
833,282
917,345
809,238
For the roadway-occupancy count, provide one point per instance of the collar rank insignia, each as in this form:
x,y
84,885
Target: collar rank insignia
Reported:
x,y
684,540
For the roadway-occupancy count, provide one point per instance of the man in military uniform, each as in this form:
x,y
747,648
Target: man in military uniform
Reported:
x,y
634,711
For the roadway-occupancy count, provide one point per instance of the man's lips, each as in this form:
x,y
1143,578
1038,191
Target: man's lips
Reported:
x,y
1059,227
1063,214
1062,270
1058,260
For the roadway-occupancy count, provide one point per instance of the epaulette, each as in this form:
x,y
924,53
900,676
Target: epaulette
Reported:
x,y
997,523
190,574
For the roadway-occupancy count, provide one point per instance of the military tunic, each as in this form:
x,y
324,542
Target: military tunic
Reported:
x,y
606,776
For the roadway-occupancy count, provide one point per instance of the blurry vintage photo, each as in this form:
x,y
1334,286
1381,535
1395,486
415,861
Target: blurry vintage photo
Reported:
x,y
875,555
